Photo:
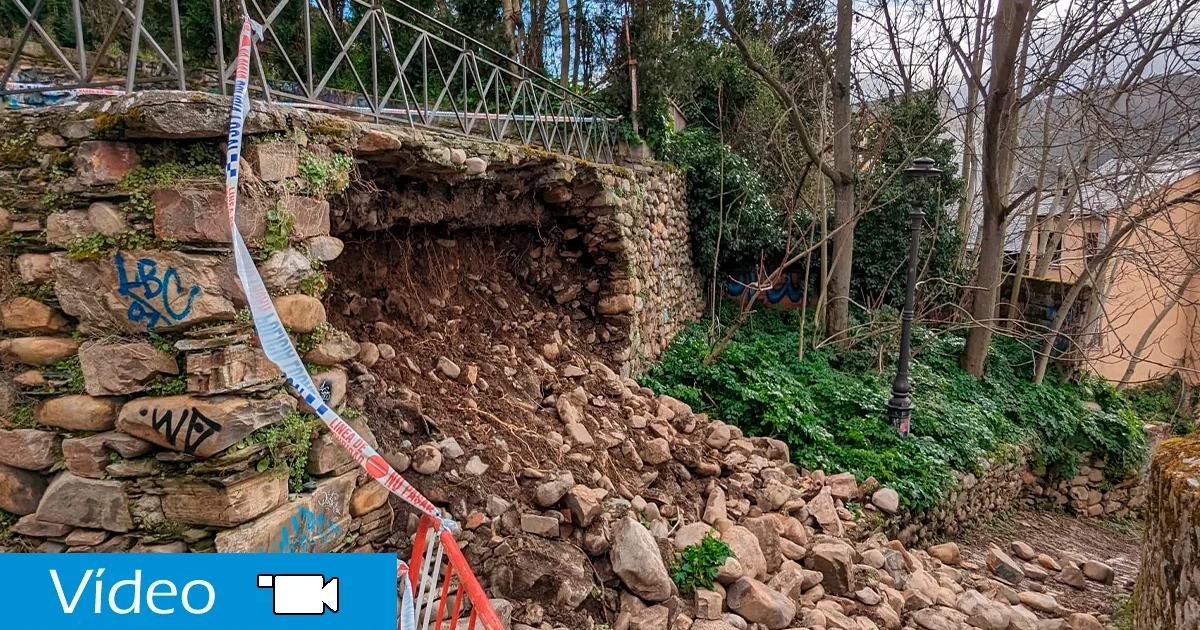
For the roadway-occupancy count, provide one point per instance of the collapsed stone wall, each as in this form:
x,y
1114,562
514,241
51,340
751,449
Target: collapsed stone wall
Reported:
x,y
1168,586
136,410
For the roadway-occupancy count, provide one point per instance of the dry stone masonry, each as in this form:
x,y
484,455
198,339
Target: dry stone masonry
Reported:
x,y
1168,589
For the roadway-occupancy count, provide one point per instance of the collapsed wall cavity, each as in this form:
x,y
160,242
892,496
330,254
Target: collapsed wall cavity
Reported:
x,y
136,410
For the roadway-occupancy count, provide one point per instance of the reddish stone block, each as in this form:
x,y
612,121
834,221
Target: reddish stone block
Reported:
x,y
99,162
200,215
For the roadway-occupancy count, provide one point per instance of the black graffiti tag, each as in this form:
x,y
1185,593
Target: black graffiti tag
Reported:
x,y
199,427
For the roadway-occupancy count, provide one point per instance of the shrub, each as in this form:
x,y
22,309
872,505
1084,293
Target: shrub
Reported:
x,y
830,408
751,227
698,564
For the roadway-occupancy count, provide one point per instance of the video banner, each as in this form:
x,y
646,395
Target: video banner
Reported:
x,y
197,591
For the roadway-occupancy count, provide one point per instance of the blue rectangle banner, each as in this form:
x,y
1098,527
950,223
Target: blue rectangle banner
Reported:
x,y
198,591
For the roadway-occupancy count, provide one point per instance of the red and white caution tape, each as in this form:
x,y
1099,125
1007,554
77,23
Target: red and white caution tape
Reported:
x,y
275,342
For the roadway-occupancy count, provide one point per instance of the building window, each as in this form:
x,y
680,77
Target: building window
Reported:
x,y
1056,257
1091,244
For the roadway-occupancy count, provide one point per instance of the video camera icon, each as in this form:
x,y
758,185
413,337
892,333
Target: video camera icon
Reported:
x,y
305,594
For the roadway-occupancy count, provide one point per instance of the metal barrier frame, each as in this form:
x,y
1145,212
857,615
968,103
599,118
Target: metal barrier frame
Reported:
x,y
444,80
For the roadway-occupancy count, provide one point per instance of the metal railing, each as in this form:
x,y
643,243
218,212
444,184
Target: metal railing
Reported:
x,y
383,60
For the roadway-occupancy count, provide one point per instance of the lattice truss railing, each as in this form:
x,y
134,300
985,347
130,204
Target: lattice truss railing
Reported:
x,y
381,59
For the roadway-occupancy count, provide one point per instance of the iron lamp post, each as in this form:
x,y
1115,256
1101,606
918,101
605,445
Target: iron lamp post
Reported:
x,y
899,407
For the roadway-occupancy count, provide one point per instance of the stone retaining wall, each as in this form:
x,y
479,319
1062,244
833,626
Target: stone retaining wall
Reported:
x,y
136,410
1007,481
1168,587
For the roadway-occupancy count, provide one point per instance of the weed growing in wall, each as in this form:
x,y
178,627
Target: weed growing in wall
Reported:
x,y
306,342
325,176
278,232
287,446
68,372
21,417
95,246
173,386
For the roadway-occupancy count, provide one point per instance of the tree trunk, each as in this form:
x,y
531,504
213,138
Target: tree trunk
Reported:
x,y
1023,258
580,24
837,320
511,10
970,162
997,159
564,21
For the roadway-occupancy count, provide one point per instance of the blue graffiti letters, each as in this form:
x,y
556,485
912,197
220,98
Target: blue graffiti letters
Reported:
x,y
306,532
155,298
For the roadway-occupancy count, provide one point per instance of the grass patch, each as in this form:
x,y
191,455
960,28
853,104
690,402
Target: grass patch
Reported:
x,y
829,408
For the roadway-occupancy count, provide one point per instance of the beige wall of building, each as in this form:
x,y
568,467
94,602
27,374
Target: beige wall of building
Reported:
x,y
1146,271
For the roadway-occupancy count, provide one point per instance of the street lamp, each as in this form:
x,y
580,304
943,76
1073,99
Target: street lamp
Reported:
x,y
899,407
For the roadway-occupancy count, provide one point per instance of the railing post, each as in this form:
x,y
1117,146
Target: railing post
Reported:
x,y
135,40
178,32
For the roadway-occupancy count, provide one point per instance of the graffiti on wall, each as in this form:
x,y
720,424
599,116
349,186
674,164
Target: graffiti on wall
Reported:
x,y
156,297
306,532
195,426
788,292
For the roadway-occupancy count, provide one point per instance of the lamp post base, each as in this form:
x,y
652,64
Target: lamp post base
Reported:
x,y
900,413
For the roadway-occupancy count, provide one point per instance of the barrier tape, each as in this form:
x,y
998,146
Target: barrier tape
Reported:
x,y
274,339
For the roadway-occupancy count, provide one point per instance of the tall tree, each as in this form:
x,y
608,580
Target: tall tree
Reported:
x,y
841,173
564,22
998,121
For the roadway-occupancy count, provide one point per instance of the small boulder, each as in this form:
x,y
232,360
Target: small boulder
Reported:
x,y
1023,551
551,492
757,603
636,560
427,459
1071,576
835,562
887,500
1084,621
1098,572
300,313
948,553
1003,566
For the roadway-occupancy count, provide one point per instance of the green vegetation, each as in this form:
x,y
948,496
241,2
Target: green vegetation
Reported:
x,y
287,446
21,417
325,176
829,408
279,230
95,246
306,342
71,372
1123,616
41,291
751,226
17,151
7,520
173,386
315,285
1167,401
698,564
192,161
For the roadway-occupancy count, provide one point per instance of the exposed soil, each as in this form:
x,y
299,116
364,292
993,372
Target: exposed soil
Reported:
x,y
1113,543
484,299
